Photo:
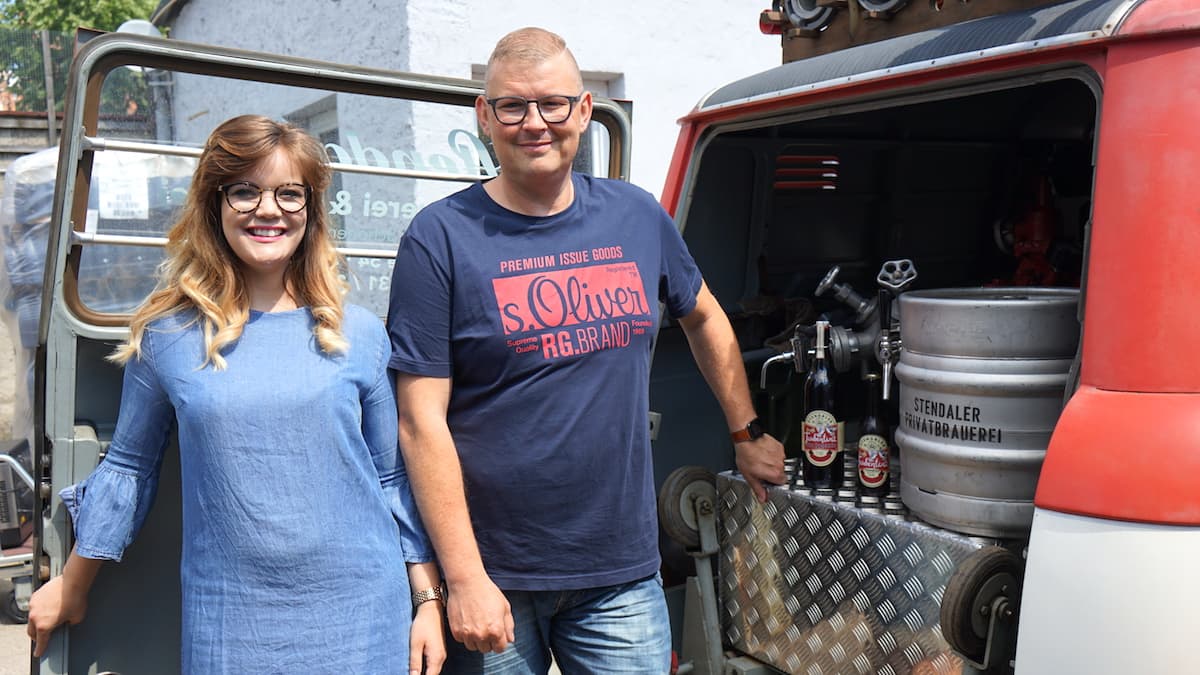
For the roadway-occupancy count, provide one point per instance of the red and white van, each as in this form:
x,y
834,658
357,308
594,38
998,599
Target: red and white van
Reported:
x,y
975,143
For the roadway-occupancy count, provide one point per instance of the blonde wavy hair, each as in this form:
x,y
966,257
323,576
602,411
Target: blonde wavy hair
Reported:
x,y
202,273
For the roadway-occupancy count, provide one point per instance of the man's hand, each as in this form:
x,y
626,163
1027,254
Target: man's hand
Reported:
x,y
759,461
480,616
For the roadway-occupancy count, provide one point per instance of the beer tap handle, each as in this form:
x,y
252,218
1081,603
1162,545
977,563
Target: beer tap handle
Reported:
x,y
799,352
885,311
894,278
897,275
885,352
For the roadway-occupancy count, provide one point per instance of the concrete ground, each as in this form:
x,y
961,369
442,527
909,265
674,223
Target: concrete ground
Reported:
x,y
14,644
14,650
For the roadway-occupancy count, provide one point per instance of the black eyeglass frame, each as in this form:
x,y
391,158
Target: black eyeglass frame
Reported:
x,y
572,101
223,189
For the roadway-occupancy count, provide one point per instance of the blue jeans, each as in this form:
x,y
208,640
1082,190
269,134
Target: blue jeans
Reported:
x,y
613,629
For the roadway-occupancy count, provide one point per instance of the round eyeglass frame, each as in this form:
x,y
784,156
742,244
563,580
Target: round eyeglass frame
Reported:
x,y
224,189
537,102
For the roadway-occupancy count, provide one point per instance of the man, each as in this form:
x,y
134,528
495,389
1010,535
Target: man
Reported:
x,y
522,316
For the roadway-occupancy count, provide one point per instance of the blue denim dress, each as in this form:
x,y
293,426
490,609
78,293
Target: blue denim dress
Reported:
x,y
297,512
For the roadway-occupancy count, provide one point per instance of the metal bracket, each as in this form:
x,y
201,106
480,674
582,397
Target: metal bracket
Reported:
x,y
704,640
1001,637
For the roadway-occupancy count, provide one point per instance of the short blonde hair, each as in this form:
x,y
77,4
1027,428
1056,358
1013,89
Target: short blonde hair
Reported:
x,y
530,45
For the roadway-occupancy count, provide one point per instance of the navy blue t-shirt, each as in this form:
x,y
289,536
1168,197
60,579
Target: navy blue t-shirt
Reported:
x,y
546,326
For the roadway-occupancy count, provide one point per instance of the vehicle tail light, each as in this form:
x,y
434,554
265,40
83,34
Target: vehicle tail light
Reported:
x,y
770,22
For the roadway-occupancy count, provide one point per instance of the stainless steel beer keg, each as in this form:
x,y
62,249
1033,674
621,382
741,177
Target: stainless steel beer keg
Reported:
x,y
982,375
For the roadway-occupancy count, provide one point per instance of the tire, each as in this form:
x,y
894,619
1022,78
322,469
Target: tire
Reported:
x,y
675,498
985,575
12,611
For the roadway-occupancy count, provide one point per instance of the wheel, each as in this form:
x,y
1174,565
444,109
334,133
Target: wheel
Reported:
x,y
12,610
676,515
985,575
827,282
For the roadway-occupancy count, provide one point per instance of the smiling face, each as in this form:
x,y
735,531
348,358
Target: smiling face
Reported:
x,y
265,239
533,153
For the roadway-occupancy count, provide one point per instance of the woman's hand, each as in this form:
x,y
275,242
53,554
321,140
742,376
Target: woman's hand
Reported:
x,y
51,606
427,642
61,600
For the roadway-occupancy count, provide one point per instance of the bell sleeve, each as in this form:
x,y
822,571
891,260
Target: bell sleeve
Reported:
x,y
109,507
380,428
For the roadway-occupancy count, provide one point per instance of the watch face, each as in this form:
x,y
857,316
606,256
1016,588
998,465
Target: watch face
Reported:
x,y
755,428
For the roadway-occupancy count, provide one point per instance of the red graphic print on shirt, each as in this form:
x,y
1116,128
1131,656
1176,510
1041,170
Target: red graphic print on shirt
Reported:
x,y
566,312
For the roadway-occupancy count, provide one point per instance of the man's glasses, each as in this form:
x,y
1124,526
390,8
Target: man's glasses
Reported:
x,y
510,110
245,197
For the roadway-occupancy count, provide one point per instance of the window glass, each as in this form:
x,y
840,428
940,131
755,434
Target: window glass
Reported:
x,y
391,157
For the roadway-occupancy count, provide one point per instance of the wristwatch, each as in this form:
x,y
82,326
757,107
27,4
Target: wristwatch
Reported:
x,y
753,431
436,593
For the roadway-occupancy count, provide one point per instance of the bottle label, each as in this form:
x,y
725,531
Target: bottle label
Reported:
x,y
822,437
873,464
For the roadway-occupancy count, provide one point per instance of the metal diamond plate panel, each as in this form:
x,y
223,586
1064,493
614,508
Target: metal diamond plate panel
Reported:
x,y
816,587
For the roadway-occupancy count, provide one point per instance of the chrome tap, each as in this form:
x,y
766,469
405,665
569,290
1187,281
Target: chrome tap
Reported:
x,y
798,356
894,278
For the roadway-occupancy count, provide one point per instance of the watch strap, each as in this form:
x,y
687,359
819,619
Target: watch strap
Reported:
x,y
750,432
741,435
435,593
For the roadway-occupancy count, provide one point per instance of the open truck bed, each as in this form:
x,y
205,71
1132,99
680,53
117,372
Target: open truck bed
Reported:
x,y
1046,147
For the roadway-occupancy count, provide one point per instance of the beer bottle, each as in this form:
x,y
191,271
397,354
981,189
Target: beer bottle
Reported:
x,y
873,460
823,459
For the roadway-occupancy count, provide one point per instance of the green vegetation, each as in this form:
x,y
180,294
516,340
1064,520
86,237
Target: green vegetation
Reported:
x,y
22,78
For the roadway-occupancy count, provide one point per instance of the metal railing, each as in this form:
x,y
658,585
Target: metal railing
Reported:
x,y
99,144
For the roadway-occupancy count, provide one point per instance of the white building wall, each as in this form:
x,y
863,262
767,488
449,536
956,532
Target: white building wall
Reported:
x,y
666,55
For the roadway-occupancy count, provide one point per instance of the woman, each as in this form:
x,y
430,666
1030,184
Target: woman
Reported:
x,y
297,511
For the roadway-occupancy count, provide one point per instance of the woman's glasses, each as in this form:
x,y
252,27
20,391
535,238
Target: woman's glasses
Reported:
x,y
245,196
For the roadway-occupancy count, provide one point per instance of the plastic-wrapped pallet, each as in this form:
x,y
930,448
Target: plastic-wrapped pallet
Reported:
x,y
24,225
131,194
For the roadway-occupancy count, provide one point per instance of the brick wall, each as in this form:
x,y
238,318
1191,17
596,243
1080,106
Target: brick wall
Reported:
x,y
20,134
